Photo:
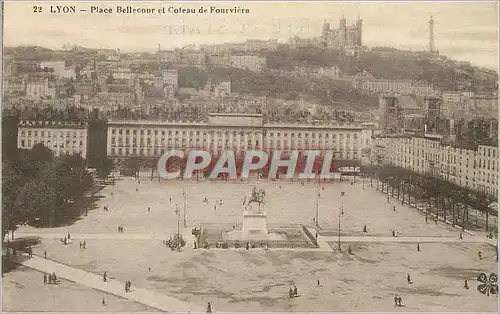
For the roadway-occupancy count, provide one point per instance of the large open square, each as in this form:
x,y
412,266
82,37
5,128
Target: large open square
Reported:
x,y
258,279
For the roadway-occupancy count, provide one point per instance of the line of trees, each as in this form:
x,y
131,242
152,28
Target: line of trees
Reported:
x,y
41,189
450,201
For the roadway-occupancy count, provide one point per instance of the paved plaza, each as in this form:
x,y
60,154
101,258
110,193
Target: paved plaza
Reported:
x,y
24,291
259,279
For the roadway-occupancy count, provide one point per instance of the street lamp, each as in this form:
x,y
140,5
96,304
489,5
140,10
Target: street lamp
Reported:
x,y
341,213
185,205
177,212
317,208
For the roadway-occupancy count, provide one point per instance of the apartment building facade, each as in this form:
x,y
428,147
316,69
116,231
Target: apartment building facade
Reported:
x,y
475,168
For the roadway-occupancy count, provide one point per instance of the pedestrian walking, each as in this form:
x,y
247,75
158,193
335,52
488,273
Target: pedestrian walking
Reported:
x,y
461,235
394,207
30,252
81,244
54,278
45,254
349,250
418,246
408,278
480,255
84,245
69,236
126,286
103,302
400,301
209,307
364,229
44,278
65,241
105,277
396,300
466,284
149,209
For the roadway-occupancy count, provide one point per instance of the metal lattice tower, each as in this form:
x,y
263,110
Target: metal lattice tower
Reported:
x,y
432,48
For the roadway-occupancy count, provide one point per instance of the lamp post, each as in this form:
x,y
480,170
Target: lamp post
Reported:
x,y
317,208
177,212
185,205
341,213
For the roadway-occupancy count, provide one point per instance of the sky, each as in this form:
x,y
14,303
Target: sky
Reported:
x,y
465,31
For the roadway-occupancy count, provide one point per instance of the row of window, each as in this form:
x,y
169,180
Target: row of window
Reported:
x,y
228,133
227,143
205,139
486,189
408,148
53,133
50,144
484,177
491,152
134,141
490,165
155,152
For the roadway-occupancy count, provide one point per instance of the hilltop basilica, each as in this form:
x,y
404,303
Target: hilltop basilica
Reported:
x,y
346,38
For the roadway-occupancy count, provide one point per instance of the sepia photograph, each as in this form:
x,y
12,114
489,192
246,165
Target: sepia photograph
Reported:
x,y
278,156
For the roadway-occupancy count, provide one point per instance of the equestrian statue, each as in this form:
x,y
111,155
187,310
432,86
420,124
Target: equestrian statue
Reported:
x,y
257,196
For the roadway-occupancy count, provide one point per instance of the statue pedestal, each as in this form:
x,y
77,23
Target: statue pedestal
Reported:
x,y
254,225
254,228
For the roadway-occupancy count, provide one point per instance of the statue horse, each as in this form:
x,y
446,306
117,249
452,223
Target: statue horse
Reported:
x,y
256,197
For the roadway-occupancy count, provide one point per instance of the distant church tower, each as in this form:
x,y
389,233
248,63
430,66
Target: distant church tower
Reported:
x,y
432,48
359,27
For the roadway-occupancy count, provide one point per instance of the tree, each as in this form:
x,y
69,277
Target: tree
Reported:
x,y
40,153
105,168
192,77
37,200
72,178
12,179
